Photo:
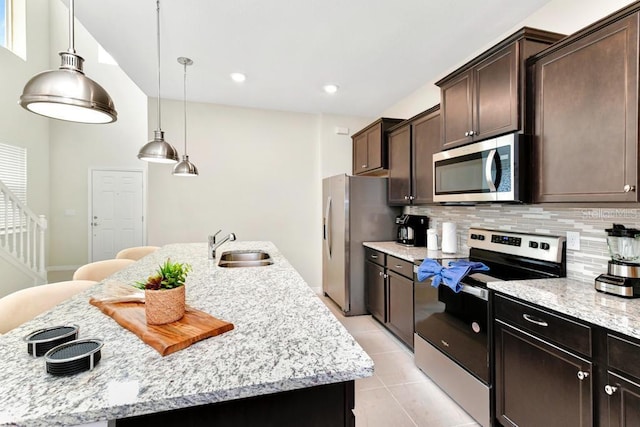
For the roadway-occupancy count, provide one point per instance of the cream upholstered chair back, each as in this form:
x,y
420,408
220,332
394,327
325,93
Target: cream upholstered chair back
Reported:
x,y
136,252
25,304
100,270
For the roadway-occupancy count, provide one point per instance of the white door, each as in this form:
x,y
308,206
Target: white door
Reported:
x,y
116,212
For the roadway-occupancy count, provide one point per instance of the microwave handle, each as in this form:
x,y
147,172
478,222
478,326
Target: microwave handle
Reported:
x,y
487,171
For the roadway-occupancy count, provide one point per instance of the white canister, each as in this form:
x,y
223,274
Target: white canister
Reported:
x,y
449,238
432,239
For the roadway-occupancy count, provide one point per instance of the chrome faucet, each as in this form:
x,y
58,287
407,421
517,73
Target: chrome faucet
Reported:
x,y
213,245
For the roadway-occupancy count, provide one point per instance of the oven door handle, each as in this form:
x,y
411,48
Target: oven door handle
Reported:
x,y
483,294
487,171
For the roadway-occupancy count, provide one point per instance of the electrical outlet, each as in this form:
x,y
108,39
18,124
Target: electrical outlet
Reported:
x,y
573,240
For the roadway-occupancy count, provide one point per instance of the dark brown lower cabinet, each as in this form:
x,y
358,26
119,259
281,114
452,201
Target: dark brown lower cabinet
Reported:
x,y
329,405
623,402
400,315
539,384
376,291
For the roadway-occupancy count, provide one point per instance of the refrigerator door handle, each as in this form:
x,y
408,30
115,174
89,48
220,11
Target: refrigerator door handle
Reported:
x,y
327,227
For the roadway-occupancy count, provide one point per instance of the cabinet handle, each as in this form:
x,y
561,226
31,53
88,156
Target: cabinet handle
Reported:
x,y
610,389
471,133
466,133
406,197
582,375
411,197
381,273
628,188
374,256
535,321
444,343
364,166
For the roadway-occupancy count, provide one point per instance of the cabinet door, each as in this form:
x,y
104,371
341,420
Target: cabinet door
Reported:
x,y
400,166
400,314
495,102
586,118
624,401
538,384
426,134
456,108
375,156
376,291
360,164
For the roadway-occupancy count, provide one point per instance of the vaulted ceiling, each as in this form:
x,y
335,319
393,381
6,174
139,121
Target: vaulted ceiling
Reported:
x,y
376,51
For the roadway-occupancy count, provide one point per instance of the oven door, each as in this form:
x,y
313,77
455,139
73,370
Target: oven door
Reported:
x,y
456,323
481,172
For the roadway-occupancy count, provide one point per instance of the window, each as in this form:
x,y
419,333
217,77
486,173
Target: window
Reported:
x,y
3,22
13,174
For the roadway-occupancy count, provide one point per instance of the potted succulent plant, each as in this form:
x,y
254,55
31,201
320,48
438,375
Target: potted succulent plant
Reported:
x,y
164,293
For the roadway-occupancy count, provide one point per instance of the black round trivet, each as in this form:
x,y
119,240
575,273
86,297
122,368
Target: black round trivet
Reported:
x,y
73,357
43,340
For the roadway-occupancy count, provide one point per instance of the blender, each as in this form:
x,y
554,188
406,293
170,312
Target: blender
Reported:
x,y
623,274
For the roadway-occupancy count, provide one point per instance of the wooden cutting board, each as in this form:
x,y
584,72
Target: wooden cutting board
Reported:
x,y
196,325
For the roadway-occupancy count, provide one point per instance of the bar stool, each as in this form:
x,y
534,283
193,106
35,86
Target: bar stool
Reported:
x,y
136,252
100,270
23,305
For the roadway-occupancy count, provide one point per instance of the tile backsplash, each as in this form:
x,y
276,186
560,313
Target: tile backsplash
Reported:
x,y
584,264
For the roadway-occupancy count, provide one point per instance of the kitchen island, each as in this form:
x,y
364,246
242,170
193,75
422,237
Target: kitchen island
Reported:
x,y
286,356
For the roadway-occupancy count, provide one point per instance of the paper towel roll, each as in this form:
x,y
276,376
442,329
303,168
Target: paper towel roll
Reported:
x,y
449,238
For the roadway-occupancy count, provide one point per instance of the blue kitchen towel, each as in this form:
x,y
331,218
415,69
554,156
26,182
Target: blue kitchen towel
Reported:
x,y
475,266
449,276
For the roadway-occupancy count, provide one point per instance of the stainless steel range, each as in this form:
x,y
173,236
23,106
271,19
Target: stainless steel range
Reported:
x,y
453,332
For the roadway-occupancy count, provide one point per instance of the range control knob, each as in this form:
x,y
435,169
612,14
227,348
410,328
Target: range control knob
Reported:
x,y
533,245
474,236
544,246
480,237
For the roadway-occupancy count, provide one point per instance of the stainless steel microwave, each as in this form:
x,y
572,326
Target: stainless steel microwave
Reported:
x,y
493,170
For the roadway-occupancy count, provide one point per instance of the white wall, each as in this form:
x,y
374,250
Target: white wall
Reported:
x,y
75,147
259,175
22,128
560,16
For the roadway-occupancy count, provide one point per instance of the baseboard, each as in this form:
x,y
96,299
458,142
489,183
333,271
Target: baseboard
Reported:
x,y
63,267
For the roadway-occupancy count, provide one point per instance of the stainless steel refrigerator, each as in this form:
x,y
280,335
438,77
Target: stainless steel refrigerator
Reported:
x,y
354,210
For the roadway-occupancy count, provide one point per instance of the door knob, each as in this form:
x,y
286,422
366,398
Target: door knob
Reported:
x,y
609,389
582,375
94,224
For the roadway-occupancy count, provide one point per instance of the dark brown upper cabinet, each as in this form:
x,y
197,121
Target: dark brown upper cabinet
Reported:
x,y
370,148
411,147
486,96
586,114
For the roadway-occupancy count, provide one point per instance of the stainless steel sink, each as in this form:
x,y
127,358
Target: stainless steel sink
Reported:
x,y
234,259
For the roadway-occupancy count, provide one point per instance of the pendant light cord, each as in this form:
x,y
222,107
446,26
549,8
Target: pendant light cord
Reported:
x,y
185,108
158,34
72,47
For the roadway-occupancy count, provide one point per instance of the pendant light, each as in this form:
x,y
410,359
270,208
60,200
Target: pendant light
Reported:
x,y
185,167
158,150
66,93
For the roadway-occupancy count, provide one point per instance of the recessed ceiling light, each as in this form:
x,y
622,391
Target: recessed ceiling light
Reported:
x,y
238,77
330,88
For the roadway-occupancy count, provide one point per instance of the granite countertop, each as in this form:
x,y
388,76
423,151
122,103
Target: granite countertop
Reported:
x,y
411,253
285,338
577,299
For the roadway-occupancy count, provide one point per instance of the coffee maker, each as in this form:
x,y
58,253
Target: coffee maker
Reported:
x,y
623,273
412,230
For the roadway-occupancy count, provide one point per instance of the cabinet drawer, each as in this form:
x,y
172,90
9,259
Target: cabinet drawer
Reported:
x,y
400,266
560,330
622,355
375,256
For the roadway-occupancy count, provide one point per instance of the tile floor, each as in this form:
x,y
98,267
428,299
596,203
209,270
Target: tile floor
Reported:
x,y
398,394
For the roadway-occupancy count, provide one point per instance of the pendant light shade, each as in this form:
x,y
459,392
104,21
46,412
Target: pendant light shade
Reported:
x,y
66,93
185,167
158,150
